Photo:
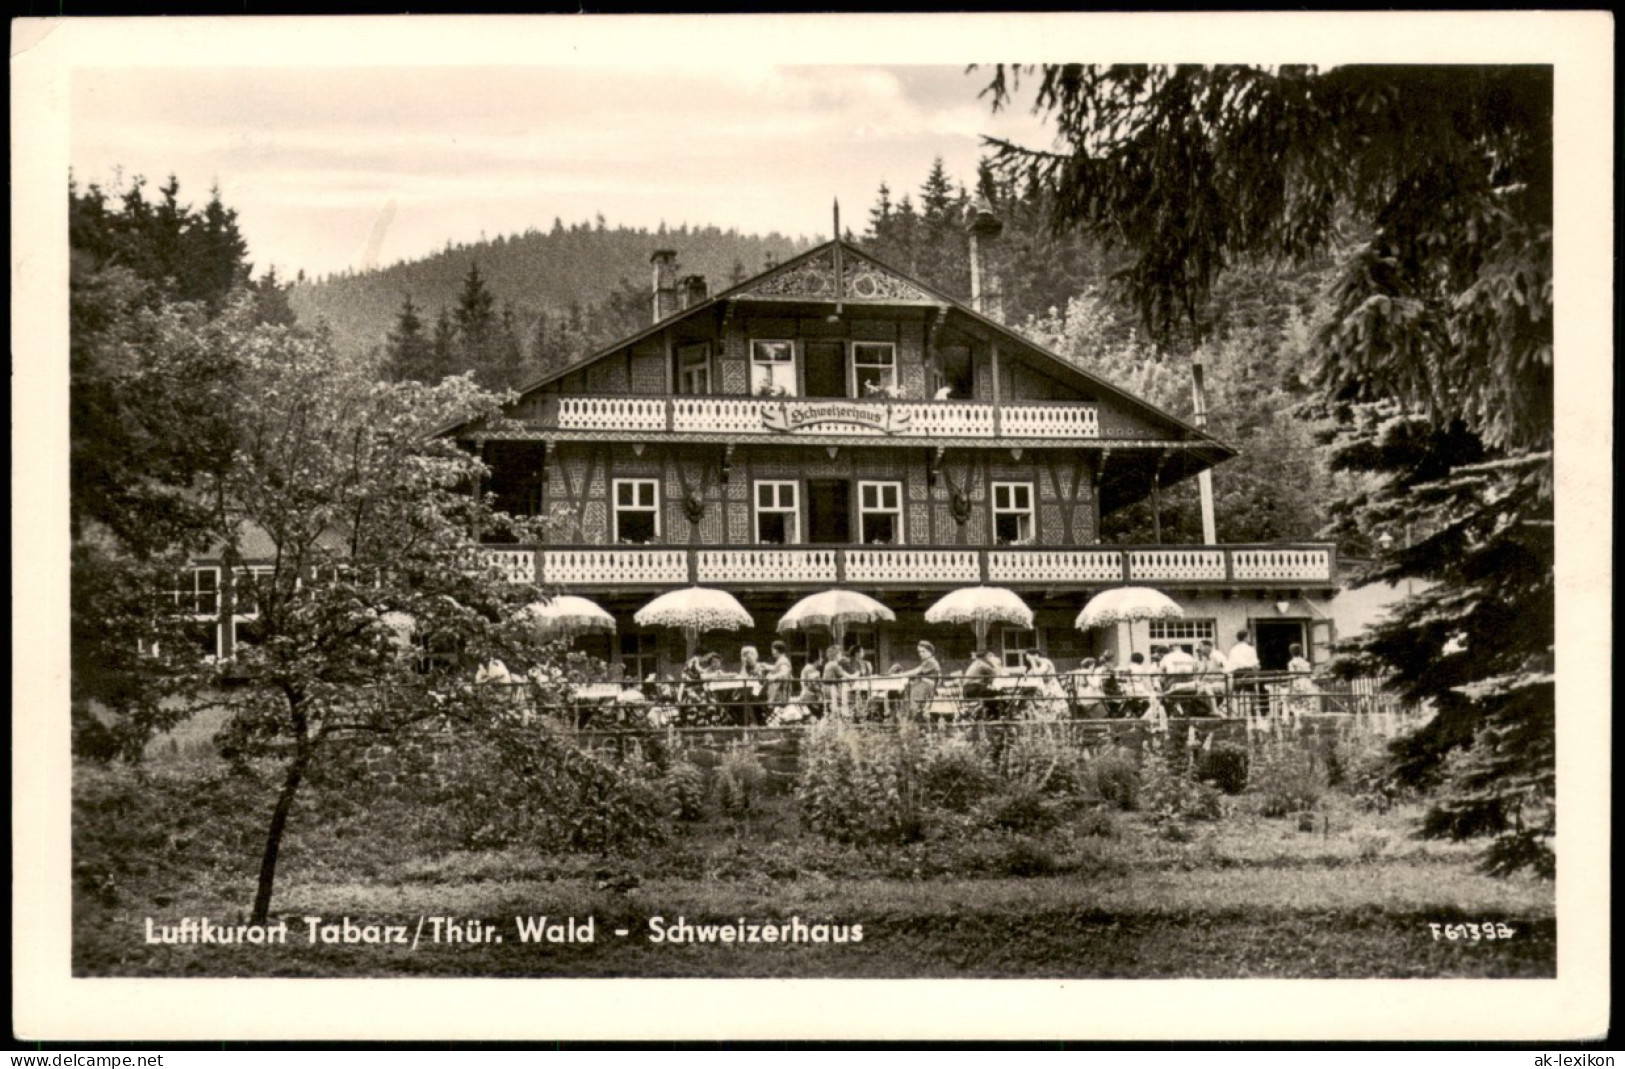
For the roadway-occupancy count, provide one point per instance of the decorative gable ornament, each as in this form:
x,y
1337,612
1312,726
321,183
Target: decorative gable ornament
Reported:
x,y
814,278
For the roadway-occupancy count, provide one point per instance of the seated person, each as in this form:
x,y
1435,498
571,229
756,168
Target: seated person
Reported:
x,y
978,685
923,677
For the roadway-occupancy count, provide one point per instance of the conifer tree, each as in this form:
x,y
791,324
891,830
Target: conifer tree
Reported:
x,y
409,354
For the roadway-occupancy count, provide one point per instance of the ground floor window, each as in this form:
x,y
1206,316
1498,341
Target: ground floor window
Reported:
x,y
1014,643
880,513
639,655
196,593
246,592
1185,634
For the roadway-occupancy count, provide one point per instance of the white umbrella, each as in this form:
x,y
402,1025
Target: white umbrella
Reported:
x,y
1126,604
835,611
568,615
695,609
980,606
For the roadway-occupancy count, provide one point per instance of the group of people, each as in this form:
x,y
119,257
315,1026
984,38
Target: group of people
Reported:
x,y
771,691
1171,682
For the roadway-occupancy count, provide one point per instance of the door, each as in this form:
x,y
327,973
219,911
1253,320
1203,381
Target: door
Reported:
x,y
826,369
829,509
1274,639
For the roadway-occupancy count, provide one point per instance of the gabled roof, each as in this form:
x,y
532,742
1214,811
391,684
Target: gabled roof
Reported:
x,y
866,281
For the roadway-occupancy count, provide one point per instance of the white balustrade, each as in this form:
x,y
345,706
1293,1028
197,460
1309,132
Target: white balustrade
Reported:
x,y
1054,566
767,416
912,566
736,414
1283,563
1049,421
951,419
516,565
1152,564
766,565
612,413
616,565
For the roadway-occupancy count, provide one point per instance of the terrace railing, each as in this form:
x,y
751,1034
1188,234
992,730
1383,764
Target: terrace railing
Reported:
x,y
647,566
822,417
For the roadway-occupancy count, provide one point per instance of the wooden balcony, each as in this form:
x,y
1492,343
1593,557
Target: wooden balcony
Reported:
x,y
587,568
817,418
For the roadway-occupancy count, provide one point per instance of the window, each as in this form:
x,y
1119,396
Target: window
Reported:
x,y
1012,513
1182,633
874,369
638,656
778,513
197,594
772,368
880,513
1014,642
637,510
197,591
694,369
245,606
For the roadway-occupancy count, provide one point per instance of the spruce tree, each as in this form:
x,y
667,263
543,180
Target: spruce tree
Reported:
x,y
409,355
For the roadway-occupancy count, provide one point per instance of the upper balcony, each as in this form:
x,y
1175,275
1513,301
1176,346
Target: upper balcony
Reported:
x,y
1275,566
727,418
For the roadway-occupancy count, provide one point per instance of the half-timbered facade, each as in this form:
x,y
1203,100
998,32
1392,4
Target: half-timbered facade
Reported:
x,y
832,422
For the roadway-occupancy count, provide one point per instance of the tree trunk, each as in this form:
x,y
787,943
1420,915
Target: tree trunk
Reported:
x,y
279,821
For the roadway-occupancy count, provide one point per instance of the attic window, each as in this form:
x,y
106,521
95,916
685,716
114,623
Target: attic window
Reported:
x,y
694,369
772,368
874,368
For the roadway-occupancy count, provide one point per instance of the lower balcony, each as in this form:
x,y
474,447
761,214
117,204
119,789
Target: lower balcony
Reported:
x,y
602,567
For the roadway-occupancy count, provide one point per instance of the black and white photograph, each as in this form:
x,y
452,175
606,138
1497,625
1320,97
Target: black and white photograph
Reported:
x,y
787,527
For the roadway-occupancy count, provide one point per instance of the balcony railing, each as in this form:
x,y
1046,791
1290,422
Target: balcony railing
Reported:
x,y
607,567
821,417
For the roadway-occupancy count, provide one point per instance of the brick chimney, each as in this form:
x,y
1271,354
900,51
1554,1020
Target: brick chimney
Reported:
x,y
985,228
692,291
665,283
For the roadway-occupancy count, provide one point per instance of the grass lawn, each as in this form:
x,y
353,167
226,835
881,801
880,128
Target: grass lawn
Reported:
x,y
1349,894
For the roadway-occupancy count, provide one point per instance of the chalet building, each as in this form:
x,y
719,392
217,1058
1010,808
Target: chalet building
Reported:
x,y
832,422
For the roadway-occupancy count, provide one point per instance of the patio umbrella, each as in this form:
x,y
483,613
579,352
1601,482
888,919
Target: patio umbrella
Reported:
x,y
695,609
567,615
1126,604
835,611
980,606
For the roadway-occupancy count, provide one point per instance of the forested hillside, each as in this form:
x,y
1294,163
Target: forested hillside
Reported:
x,y
533,274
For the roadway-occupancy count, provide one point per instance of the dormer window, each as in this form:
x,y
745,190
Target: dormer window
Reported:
x,y
773,368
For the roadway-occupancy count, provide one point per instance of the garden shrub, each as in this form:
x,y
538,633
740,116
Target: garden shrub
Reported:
x,y
739,778
862,785
955,774
1098,823
1042,759
1116,776
1023,808
1224,764
684,786
1286,779
534,786
1171,795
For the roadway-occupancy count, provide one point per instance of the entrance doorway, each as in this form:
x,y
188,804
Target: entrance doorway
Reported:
x,y
826,369
829,511
1274,639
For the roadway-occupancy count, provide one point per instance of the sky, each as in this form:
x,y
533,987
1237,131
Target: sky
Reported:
x,y
332,167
